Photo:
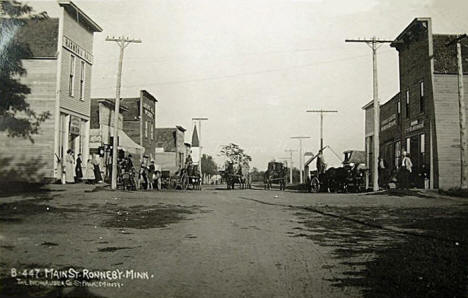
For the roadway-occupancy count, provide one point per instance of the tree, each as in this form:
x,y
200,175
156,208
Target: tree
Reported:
x,y
16,116
208,165
235,154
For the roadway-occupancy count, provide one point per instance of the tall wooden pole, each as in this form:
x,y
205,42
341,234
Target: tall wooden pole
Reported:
x,y
123,43
300,157
291,164
375,95
321,122
462,116
373,44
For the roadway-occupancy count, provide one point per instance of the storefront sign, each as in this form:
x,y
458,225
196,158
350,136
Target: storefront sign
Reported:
x,y
148,109
76,49
388,122
75,125
415,127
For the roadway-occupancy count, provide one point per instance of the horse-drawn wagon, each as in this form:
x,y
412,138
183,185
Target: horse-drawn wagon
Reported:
x,y
350,177
276,173
239,174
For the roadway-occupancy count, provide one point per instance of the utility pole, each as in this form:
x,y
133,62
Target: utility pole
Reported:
x,y
321,122
300,155
374,44
122,42
199,119
461,109
291,165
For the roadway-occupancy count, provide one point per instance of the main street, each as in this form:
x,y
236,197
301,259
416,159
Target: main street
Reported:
x,y
240,243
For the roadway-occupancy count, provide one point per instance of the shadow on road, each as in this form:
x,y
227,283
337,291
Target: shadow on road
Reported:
x,y
397,262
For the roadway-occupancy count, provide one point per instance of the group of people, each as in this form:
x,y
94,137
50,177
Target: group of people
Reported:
x,y
149,177
404,176
73,169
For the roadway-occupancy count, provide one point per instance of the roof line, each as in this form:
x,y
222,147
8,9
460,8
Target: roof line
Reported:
x,y
90,22
415,20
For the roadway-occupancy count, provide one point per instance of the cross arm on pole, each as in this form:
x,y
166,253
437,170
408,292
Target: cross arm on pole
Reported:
x,y
455,40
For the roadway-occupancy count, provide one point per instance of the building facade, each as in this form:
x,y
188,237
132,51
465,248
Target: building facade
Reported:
x,y
171,149
422,119
140,122
59,76
102,133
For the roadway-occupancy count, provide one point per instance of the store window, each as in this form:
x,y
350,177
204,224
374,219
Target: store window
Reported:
x,y
82,80
71,79
146,129
152,131
408,145
421,96
422,143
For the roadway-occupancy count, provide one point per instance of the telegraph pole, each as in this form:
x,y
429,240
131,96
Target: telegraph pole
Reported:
x,y
321,122
122,42
291,166
461,109
199,119
374,44
300,155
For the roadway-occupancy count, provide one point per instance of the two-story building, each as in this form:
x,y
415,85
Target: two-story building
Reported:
x,y
171,150
59,76
140,122
422,119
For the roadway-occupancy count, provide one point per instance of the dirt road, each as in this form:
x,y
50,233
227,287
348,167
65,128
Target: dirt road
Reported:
x,y
213,243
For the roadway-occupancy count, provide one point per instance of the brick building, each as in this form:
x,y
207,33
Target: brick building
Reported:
x,y
102,132
59,76
140,122
171,149
423,117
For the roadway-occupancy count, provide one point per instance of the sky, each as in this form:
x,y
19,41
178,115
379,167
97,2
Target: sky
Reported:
x,y
253,67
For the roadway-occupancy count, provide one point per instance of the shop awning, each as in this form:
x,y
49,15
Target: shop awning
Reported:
x,y
128,145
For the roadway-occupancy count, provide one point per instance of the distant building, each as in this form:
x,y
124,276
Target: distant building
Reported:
x,y
140,121
59,76
422,119
171,149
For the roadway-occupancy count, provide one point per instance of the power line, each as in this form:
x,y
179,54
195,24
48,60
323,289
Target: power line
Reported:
x,y
215,78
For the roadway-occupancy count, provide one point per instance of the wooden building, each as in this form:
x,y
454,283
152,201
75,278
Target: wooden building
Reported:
x,y
59,76
171,150
422,118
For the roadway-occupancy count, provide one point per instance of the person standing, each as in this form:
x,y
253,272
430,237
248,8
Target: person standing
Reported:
x,y
69,169
78,169
89,173
143,177
406,169
97,170
382,172
151,171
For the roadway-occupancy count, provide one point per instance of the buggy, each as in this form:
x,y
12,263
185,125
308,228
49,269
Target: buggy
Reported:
x,y
276,173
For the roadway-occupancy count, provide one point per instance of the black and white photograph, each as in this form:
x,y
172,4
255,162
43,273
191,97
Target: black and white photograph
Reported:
x,y
234,148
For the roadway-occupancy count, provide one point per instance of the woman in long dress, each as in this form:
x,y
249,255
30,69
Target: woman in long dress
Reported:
x,y
89,173
69,168
78,169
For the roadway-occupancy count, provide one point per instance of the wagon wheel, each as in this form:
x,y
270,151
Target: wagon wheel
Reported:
x,y
315,185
